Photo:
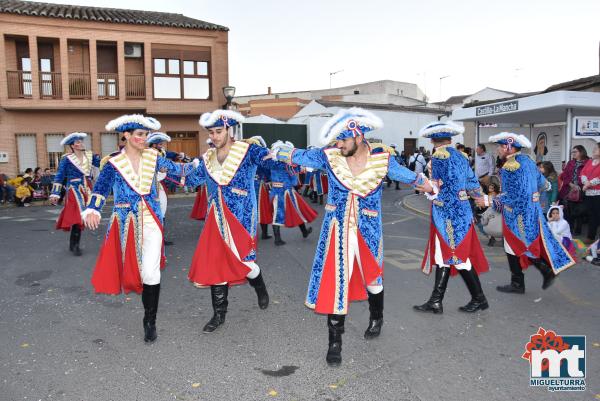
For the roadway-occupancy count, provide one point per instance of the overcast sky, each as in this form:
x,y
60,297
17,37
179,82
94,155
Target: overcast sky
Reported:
x,y
515,45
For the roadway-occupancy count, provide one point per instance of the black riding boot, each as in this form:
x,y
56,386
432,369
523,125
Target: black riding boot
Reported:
x,y
546,271
517,279
478,301
305,192
376,315
150,294
218,294
305,231
277,233
75,238
165,241
335,323
261,290
264,228
314,197
397,185
320,199
442,274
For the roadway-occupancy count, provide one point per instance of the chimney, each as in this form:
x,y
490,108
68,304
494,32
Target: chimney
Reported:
x,y
269,91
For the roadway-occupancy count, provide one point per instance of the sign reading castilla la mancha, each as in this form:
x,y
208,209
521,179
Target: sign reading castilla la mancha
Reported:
x,y
556,362
497,108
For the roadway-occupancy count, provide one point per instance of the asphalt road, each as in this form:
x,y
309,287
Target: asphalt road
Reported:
x,y
60,341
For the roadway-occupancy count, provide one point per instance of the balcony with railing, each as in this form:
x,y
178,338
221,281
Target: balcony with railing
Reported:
x,y
50,85
80,86
19,84
135,86
108,86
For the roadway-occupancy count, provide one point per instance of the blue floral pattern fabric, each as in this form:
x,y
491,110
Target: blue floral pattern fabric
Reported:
x,y
451,211
364,196
239,193
128,202
519,203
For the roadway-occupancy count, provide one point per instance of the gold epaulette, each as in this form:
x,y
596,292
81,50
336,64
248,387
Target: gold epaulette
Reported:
x,y
251,141
511,165
104,161
386,148
441,153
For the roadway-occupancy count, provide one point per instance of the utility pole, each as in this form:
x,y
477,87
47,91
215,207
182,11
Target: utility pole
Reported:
x,y
445,76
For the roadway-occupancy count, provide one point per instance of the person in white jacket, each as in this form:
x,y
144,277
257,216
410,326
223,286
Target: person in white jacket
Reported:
x,y
560,228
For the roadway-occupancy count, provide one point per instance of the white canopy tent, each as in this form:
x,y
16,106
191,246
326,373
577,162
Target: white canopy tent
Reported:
x,y
534,115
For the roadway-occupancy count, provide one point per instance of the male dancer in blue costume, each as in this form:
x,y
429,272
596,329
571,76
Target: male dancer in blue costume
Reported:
x,y
527,237
349,257
226,250
131,256
453,244
74,171
289,208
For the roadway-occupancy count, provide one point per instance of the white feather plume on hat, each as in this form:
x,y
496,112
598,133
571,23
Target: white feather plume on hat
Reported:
x,y
518,138
338,123
151,124
209,119
70,137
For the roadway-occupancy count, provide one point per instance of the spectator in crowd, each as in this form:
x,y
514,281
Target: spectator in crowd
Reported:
x,y
570,193
46,181
23,195
36,182
590,177
8,189
460,147
484,165
549,198
403,158
417,162
469,153
28,173
560,228
490,223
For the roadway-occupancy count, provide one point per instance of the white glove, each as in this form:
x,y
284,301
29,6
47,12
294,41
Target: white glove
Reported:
x,y
196,162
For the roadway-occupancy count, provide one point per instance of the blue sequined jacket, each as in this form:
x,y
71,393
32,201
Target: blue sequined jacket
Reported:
x,y
350,200
522,214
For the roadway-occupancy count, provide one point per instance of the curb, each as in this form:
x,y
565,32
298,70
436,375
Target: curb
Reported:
x,y
412,208
45,203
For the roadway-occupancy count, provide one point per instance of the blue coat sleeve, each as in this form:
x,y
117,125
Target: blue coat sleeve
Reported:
x,y
197,177
96,160
472,184
314,158
178,169
102,188
60,177
400,173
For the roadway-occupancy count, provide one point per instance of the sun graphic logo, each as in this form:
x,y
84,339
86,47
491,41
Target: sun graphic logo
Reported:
x,y
556,362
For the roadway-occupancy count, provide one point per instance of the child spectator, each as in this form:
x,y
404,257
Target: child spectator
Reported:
x,y
561,229
550,197
23,195
491,220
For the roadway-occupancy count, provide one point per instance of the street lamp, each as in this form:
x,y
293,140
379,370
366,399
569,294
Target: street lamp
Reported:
x,y
331,74
229,93
445,76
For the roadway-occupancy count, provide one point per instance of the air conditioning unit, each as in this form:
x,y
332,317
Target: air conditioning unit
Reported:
x,y
133,50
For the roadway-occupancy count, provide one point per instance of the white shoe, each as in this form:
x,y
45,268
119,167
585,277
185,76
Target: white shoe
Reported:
x,y
589,258
27,204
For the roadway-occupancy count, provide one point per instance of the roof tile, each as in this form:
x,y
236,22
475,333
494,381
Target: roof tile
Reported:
x,y
114,15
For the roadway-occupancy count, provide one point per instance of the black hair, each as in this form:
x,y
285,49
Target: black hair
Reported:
x,y
482,146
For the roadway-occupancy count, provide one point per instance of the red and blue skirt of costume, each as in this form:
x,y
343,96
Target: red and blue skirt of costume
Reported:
x,y
76,199
200,204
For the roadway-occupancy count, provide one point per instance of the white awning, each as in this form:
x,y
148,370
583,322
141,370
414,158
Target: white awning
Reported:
x,y
537,109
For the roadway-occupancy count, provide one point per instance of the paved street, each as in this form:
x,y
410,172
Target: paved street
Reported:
x,y
60,341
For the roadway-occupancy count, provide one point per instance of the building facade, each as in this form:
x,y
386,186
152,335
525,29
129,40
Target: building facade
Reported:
x,y
72,68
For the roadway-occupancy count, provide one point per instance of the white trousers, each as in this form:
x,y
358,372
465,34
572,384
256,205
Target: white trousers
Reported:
x,y
353,252
439,260
507,248
152,241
